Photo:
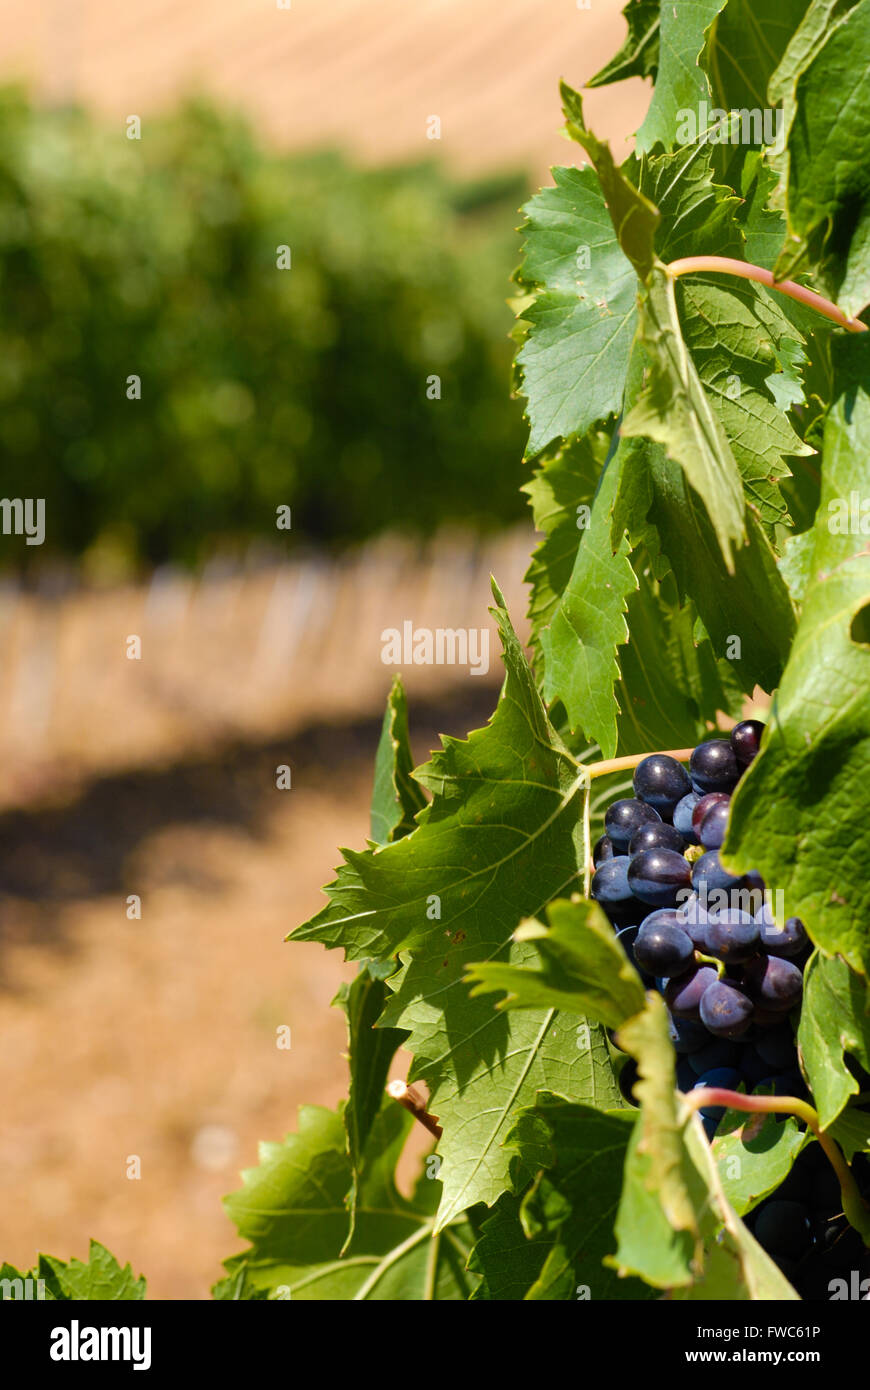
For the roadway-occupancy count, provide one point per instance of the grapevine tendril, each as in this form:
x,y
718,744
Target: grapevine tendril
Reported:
x,y
726,265
856,1210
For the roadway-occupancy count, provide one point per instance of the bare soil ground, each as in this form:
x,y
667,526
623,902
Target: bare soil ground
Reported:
x,y
363,74
156,1037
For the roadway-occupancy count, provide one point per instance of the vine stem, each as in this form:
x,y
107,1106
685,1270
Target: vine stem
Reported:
x,y
855,1208
718,965
682,755
413,1101
728,266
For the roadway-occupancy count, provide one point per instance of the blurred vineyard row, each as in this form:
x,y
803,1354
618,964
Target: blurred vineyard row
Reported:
x,y
260,387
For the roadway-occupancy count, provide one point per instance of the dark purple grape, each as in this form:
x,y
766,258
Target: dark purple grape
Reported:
x,y
776,1047
725,1010
732,936
685,1075
705,804
622,818
660,781
774,983
683,817
713,767
683,995
787,940
686,1037
753,1068
654,836
663,917
661,947
603,851
627,937
709,878
718,1052
797,1185
610,888
722,1078
657,875
824,1192
714,826
754,888
764,1019
783,1228
693,917
788,1083
745,738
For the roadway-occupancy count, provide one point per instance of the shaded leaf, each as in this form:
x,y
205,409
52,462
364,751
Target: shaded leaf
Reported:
x,y
754,1154
291,1209
835,1020
639,55
675,412
396,797
581,967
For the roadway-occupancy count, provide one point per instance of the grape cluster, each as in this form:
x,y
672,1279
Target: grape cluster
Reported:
x,y
731,977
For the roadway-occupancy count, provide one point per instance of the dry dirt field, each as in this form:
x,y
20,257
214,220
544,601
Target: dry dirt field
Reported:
x,y
363,74
157,1037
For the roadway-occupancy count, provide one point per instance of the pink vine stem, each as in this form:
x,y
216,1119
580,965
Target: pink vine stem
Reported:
x,y
728,266
855,1208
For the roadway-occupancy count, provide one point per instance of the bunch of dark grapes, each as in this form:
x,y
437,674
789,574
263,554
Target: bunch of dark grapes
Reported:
x,y
732,1016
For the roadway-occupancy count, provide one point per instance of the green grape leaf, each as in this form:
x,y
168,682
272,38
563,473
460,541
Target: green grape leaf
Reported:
x,y
581,967
826,146
696,211
396,797
792,817
370,1054
795,564
579,644
851,1130
581,322
639,55
820,19
745,45
671,683
9,1273
501,838
291,1209
99,1278
581,632
835,1019
681,83
675,1227
763,224
573,1199
675,412
561,494
754,1154
633,217
507,1261
749,613
735,333
854,291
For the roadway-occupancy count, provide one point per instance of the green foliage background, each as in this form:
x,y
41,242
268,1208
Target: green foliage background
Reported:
x,y
157,257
